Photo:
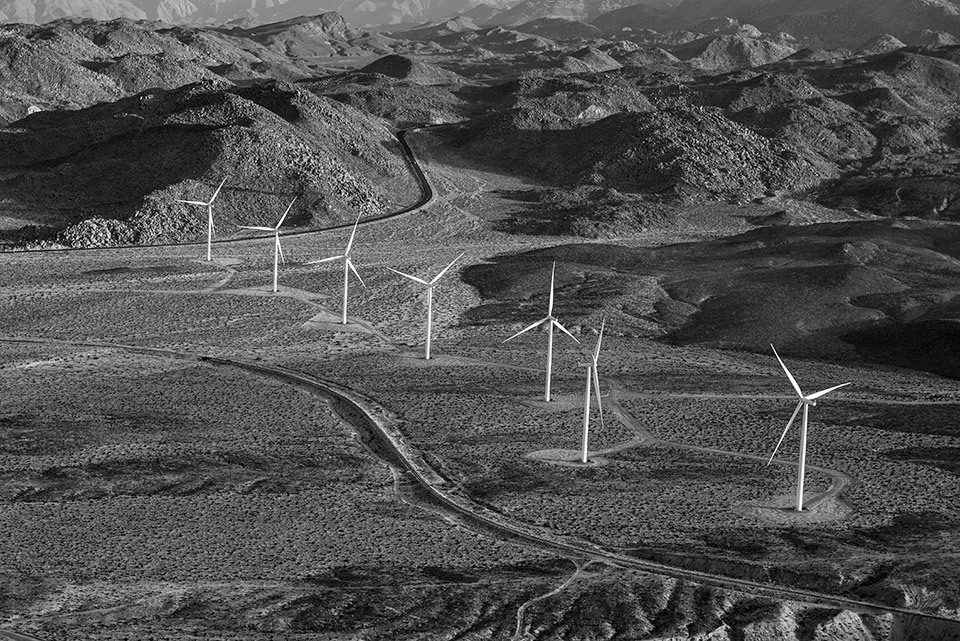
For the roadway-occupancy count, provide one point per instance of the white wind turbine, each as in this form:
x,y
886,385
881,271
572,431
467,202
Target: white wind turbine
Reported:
x,y
550,321
805,403
209,206
277,250
594,378
347,268
429,285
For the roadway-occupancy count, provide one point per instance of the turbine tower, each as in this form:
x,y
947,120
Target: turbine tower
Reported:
x,y
805,402
347,268
277,250
594,378
429,285
209,206
551,321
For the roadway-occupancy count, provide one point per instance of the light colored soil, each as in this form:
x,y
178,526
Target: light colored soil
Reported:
x,y
566,458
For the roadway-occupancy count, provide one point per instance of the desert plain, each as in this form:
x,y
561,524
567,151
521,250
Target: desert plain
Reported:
x,y
188,454
151,489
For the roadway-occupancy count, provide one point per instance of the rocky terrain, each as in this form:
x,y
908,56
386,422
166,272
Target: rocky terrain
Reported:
x,y
129,160
826,290
243,12
821,24
710,176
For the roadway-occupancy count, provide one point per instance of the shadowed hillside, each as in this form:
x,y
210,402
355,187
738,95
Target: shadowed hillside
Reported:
x,y
126,162
886,289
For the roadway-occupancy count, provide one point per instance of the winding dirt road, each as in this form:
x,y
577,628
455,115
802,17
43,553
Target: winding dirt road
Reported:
x,y
391,447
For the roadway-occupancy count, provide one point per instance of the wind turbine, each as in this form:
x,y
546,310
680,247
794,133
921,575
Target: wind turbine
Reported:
x,y
209,206
805,403
550,321
347,268
429,285
592,377
277,250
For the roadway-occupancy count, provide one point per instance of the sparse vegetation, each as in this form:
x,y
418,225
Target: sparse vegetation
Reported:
x,y
163,474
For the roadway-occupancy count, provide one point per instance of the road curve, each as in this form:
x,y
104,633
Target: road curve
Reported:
x,y
482,518
426,197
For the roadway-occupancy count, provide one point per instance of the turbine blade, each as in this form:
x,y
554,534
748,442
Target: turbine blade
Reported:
x,y
440,275
564,330
596,388
217,192
785,430
528,328
282,218
280,250
596,350
352,234
355,272
322,260
822,392
257,228
553,272
793,381
193,202
414,278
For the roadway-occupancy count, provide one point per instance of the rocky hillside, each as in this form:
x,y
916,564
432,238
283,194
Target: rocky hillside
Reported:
x,y
869,134
879,289
71,64
846,23
246,12
110,174
672,153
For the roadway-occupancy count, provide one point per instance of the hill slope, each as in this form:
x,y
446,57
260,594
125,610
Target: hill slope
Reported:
x,y
832,23
218,12
110,174
884,289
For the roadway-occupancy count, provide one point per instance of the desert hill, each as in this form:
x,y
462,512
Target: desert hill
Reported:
x,y
680,153
409,69
71,64
860,134
727,52
819,290
846,23
247,12
314,36
653,117
109,174
439,29
560,29
530,10
818,23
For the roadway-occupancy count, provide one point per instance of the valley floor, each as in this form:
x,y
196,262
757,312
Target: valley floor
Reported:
x,y
188,455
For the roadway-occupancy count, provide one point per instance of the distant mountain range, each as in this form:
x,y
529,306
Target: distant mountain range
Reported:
x,y
216,12
821,22
848,22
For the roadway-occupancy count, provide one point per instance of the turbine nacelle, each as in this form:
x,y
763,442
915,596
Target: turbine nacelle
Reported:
x,y
550,321
804,401
205,203
277,249
429,284
347,268
209,205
